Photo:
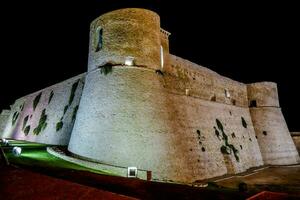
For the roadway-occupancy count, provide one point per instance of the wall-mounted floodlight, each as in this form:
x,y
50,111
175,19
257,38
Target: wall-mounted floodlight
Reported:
x,y
187,92
129,60
227,93
132,172
17,151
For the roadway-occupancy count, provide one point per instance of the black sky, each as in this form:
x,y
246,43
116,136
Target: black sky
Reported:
x,y
45,42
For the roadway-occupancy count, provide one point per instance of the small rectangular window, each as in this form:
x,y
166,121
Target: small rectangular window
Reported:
x,y
98,39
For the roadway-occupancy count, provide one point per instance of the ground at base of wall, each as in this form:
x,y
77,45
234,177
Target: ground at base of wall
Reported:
x,y
284,179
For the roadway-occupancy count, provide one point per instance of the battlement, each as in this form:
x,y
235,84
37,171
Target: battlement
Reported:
x,y
165,33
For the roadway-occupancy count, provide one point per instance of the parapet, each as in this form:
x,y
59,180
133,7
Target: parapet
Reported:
x,y
263,94
126,33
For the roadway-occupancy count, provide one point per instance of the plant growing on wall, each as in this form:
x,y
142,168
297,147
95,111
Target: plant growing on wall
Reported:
x,y
59,126
26,130
244,123
36,100
50,97
75,112
106,69
15,117
22,106
25,122
42,123
65,109
227,148
73,90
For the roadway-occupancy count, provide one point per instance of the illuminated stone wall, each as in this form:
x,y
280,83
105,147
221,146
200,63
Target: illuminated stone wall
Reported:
x,y
136,118
274,139
296,139
181,121
3,120
46,116
126,32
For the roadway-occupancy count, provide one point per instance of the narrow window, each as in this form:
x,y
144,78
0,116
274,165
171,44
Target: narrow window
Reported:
x,y
253,103
98,39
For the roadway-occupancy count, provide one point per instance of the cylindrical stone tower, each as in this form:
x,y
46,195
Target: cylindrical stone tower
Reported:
x,y
117,35
274,139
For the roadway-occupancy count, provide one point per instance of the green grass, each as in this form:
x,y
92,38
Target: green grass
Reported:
x,y
36,155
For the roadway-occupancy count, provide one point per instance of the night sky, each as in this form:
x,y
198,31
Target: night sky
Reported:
x,y
46,42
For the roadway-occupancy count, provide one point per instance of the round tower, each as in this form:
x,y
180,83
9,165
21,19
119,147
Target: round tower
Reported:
x,y
127,36
271,130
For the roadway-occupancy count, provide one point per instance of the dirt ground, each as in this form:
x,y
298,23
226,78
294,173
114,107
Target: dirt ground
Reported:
x,y
22,184
279,179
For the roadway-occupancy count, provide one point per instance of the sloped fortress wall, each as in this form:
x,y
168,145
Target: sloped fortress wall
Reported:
x,y
274,139
3,120
183,123
119,34
46,116
296,139
136,118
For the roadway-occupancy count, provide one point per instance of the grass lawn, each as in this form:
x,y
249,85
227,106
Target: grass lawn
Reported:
x,y
36,155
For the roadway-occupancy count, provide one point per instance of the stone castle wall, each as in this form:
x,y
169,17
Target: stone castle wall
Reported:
x,y
50,119
140,121
296,139
3,120
181,121
126,32
274,138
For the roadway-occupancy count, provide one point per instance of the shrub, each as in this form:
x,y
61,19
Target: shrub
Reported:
x,y
36,100
15,117
65,109
26,130
73,90
50,97
25,121
59,125
42,123
224,150
106,69
219,124
74,113
244,123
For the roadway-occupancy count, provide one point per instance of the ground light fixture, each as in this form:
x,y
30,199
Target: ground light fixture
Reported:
x,y
17,151
5,142
131,172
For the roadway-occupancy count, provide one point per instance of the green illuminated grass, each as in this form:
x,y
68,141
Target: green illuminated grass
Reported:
x,y
36,155
20,143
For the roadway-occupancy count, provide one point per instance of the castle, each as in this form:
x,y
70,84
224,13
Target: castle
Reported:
x,y
138,105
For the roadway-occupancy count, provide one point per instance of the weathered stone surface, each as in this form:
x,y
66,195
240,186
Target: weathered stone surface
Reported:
x,y
127,32
274,139
296,139
54,110
3,120
133,119
181,121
